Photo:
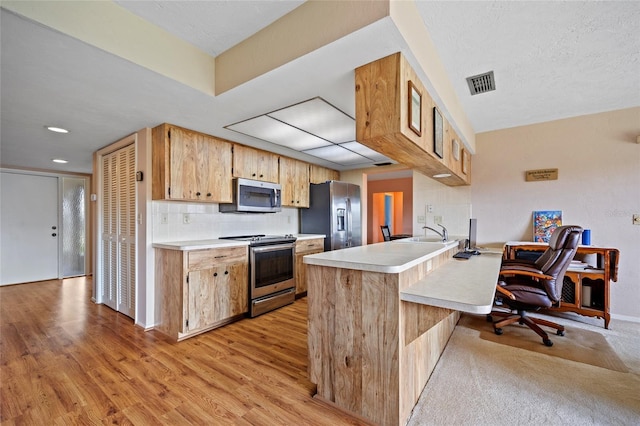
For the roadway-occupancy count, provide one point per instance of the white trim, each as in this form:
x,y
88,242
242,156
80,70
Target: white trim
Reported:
x,y
625,318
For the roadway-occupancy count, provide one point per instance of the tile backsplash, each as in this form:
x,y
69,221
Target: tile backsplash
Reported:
x,y
178,221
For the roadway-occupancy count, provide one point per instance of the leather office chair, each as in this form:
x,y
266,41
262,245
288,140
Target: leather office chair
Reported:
x,y
386,233
530,286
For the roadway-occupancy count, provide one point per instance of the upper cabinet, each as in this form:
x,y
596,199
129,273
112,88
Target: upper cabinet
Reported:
x,y
294,179
396,116
254,164
320,174
190,166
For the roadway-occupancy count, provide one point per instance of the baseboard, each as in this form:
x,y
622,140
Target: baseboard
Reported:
x,y
625,318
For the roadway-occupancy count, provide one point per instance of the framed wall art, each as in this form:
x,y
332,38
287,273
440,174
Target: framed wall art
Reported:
x,y
544,223
438,133
455,149
465,161
415,109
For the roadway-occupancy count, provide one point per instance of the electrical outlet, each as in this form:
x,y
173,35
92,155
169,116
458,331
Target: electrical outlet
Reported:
x,y
164,218
186,218
437,220
636,219
420,219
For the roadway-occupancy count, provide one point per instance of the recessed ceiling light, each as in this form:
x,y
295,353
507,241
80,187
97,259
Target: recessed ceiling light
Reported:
x,y
57,129
442,175
59,160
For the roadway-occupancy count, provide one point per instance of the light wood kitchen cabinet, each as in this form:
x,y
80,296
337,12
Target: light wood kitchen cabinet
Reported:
x,y
199,290
250,163
382,121
303,248
190,166
294,179
319,174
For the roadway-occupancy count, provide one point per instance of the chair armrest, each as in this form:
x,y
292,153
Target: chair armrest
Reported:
x,y
505,292
524,270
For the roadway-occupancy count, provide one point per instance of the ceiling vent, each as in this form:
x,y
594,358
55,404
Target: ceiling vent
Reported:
x,y
481,83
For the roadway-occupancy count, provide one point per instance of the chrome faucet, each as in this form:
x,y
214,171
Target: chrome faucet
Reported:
x,y
444,234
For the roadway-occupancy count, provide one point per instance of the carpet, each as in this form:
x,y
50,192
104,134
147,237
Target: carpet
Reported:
x,y
579,345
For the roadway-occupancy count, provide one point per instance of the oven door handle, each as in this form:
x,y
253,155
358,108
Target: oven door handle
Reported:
x,y
261,249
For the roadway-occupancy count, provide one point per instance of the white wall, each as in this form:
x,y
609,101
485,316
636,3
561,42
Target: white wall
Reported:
x,y
451,204
598,187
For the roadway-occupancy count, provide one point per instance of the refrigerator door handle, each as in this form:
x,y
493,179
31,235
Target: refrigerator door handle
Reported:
x,y
349,222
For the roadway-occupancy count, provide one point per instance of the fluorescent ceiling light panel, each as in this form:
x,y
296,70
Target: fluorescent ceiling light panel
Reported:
x,y
274,131
320,118
365,151
337,154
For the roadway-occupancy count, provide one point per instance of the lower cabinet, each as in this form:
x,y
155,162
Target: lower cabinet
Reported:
x,y
303,248
198,290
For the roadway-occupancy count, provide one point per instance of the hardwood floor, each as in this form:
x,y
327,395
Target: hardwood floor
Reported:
x,y
65,360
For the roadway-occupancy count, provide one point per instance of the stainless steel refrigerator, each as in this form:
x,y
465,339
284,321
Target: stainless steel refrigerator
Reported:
x,y
334,210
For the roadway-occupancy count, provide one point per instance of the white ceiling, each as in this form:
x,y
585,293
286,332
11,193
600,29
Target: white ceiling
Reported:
x,y
551,60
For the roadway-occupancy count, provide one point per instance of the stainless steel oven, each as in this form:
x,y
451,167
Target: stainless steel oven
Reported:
x,y
271,272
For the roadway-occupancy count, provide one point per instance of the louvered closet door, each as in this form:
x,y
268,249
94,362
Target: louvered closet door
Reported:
x,y
109,276
118,230
127,230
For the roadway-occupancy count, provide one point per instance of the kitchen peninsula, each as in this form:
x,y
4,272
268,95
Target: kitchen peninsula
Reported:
x,y
380,316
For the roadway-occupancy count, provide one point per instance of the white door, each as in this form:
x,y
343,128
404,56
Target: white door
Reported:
x,y
28,228
118,228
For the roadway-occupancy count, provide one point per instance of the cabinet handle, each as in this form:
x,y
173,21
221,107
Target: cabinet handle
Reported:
x,y
54,234
208,194
253,175
198,194
261,175
215,274
221,256
226,272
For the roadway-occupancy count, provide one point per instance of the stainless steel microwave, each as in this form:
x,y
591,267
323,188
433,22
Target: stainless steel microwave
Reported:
x,y
252,196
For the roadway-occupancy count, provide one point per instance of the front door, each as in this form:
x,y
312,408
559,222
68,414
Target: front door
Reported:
x,y
29,228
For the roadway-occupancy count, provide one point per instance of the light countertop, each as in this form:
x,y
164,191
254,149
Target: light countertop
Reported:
x,y
387,257
216,243
463,285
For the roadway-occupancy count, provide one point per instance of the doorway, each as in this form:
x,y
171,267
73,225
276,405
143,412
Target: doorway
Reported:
x,y
387,209
389,202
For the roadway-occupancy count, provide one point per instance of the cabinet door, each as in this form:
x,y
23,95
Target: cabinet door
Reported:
x,y
294,178
183,148
320,174
216,294
302,184
254,164
191,166
301,271
267,167
303,248
214,170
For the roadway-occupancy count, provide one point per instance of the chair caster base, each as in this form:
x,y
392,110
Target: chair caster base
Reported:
x,y
547,342
498,331
560,333
489,318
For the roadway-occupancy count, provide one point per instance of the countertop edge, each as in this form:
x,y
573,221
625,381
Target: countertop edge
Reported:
x,y
370,267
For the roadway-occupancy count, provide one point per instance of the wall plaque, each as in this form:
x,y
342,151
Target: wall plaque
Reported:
x,y
541,174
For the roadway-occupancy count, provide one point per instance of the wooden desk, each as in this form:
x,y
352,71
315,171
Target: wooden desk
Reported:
x,y
585,291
